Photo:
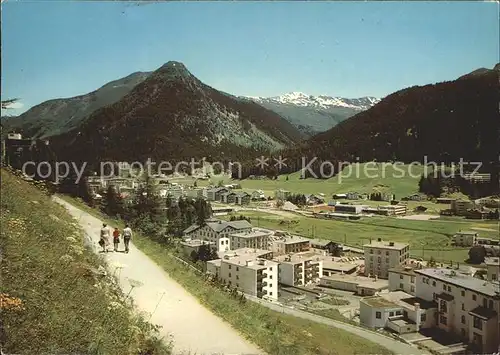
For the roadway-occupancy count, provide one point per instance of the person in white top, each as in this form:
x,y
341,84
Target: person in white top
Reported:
x,y
127,235
104,241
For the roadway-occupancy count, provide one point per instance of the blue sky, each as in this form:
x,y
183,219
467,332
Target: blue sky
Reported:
x,y
349,49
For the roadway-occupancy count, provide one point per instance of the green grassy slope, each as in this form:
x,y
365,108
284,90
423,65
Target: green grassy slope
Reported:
x,y
52,301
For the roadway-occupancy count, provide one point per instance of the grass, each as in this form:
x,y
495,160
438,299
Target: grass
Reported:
x,y
426,238
359,180
52,301
274,332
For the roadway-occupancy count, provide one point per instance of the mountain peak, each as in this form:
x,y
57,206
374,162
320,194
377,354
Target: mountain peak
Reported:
x,y
174,68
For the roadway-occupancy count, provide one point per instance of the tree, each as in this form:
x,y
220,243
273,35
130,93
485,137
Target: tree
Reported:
x,y
477,254
83,191
220,183
112,203
203,210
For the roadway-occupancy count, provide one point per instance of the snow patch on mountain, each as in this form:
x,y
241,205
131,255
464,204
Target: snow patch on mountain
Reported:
x,y
322,101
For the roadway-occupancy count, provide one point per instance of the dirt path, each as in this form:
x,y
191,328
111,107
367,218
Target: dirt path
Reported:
x,y
193,328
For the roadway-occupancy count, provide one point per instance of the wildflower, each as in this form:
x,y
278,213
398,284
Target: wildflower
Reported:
x,y
66,258
71,239
10,303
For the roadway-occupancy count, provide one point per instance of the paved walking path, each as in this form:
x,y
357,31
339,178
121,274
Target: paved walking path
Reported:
x,y
193,328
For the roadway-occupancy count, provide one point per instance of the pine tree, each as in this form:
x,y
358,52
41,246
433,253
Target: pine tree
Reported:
x,y
112,203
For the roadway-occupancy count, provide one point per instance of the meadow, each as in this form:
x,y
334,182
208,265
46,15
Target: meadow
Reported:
x,y
363,178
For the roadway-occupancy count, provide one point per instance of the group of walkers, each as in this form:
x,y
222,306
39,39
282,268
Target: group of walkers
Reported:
x,y
104,242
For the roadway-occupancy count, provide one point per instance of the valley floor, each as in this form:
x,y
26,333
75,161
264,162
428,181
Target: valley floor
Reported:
x,y
194,329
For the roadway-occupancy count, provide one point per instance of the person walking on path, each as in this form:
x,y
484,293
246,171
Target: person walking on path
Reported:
x,y
116,238
127,235
104,241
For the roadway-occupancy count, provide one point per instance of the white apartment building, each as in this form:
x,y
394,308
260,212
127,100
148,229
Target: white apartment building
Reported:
x,y
465,239
398,311
288,244
213,230
256,238
493,268
295,270
467,306
249,270
402,278
380,256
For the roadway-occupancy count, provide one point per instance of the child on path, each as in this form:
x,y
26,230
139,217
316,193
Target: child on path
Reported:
x,y
116,238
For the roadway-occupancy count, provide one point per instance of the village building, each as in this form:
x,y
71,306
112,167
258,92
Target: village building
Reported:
x,y
353,209
465,239
258,195
242,198
460,207
282,244
380,256
328,246
215,193
296,270
250,271
466,306
190,246
360,285
228,197
257,238
213,230
493,268
403,278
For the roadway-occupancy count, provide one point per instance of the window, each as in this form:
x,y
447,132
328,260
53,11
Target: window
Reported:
x,y
371,251
485,303
271,277
444,287
478,323
237,277
433,283
463,319
449,288
378,315
443,306
463,333
237,285
229,274
229,267
387,261
271,268
463,306
270,293
237,268
398,313
379,259
493,277
491,304
474,297
412,289
387,253
463,293
379,252
401,286
391,314
270,285
423,317
400,277
412,280
434,296
443,320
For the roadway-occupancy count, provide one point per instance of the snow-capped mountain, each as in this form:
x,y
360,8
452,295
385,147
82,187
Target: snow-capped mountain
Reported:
x,y
314,114
322,101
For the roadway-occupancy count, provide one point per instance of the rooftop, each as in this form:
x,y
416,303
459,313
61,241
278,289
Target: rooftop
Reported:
x,y
219,225
379,302
242,256
254,233
360,281
290,239
406,300
405,270
459,279
386,245
195,242
492,261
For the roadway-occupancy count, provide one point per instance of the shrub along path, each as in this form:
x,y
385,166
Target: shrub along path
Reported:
x,y
193,328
